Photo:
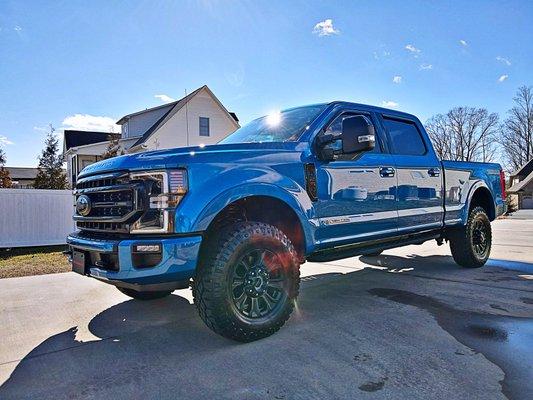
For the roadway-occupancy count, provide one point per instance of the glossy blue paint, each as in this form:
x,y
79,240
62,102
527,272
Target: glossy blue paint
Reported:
x,y
355,201
178,262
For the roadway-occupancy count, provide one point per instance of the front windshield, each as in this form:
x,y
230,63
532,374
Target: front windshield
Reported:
x,y
284,126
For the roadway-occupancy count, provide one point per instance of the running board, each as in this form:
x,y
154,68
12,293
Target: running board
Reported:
x,y
352,250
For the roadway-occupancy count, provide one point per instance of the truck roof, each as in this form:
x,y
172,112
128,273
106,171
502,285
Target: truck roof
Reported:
x,y
368,107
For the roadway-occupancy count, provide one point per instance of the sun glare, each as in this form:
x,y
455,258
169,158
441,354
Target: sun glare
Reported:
x,y
274,118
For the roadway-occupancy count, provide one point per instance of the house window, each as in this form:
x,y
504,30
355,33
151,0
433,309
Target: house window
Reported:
x,y
204,126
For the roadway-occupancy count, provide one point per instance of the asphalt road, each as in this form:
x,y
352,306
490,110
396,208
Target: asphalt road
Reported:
x,y
407,324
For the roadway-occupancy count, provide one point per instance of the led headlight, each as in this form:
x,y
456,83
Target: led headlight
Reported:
x,y
164,189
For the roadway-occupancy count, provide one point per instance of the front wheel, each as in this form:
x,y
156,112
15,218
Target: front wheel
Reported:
x,y
248,281
144,295
471,244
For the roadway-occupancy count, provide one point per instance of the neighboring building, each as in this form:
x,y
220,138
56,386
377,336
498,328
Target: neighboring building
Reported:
x,y
22,177
198,118
521,188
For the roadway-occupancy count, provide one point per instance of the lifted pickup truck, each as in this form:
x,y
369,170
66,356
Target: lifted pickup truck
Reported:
x,y
235,220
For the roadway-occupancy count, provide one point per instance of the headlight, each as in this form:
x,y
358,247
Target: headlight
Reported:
x,y
164,189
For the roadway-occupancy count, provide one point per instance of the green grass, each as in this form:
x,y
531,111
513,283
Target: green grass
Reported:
x,y
32,261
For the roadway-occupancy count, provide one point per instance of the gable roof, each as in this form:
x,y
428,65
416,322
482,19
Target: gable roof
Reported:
x,y
22,172
517,187
525,169
176,106
81,138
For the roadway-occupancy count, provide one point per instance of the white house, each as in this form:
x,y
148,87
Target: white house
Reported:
x,y
198,118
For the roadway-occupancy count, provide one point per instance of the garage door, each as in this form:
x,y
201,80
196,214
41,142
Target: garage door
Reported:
x,y
527,201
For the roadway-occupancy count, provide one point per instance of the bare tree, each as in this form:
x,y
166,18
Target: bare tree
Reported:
x,y
517,130
113,147
464,134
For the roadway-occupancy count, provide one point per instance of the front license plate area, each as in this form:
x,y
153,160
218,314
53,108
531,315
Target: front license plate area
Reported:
x,y
78,262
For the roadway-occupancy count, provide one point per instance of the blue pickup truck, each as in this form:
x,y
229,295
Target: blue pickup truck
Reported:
x,y
235,220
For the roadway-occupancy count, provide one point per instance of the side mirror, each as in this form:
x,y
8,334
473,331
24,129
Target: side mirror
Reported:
x,y
357,134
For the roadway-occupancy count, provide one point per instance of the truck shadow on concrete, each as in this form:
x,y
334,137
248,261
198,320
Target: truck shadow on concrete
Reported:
x,y
161,349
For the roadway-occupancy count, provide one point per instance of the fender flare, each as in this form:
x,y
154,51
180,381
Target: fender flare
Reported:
x,y
293,200
477,185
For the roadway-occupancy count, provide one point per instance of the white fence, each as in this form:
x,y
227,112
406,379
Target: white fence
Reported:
x,y
32,217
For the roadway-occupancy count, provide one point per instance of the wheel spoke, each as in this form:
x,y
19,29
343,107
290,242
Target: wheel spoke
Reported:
x,y
240,301
269,300
237,282
255,311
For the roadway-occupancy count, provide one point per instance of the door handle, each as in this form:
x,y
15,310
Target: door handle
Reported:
x,y
386,172
434,172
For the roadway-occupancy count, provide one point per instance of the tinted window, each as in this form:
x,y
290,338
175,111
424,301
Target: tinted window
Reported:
x,y
405,137
204,126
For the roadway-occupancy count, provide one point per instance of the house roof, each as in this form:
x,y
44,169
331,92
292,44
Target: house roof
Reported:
x,y
517,187
525,169
173,103
176,106
82,138
17,173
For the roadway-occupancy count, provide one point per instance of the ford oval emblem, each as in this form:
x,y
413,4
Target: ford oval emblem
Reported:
x,y
83,205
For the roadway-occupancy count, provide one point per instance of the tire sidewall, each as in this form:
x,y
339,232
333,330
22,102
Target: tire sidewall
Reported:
x,y
478,214
283,253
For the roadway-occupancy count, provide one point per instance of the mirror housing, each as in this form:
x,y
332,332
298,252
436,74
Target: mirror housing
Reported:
x,y
357,134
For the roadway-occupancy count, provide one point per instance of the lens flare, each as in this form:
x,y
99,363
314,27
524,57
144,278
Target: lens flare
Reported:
x,y
274,118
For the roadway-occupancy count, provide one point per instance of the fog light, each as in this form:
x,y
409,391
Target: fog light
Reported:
x,y
147,248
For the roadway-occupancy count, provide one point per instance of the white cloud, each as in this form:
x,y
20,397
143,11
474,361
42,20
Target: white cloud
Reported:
x,y
17,28
389,104
86,122
503,78
4,141
325,28
463,42
426,66
412,49
503,60
397,79
164,98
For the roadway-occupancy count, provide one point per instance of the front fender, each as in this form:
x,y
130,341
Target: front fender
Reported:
x,y
202,204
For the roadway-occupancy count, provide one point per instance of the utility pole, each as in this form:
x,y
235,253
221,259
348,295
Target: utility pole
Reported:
x,y
187,116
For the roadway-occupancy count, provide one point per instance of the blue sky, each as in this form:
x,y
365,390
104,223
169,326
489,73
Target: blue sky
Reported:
x,y
84,64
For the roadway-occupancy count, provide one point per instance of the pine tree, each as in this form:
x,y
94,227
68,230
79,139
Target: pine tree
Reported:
x,y
51,174
5,179
113,148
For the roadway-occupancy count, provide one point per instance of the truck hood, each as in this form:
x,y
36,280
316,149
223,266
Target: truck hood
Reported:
x,y
183,156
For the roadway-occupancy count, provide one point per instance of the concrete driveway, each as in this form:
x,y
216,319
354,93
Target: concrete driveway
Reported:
x,y
407,324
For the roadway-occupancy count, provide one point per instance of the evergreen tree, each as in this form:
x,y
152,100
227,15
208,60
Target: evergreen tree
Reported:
x,y
51,174
5,179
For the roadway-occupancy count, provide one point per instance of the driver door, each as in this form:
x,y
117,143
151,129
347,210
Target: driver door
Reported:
x,y
356,192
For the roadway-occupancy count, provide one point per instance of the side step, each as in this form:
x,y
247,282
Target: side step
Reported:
x,y
352,250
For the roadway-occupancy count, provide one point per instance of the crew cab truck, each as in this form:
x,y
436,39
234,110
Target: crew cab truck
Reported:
x,y
235,220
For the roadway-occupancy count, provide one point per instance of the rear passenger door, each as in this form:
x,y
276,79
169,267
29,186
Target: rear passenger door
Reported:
x,y
419,192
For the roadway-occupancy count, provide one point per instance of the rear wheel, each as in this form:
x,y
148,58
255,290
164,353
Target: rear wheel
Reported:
x,y
144,295
471,244
248,281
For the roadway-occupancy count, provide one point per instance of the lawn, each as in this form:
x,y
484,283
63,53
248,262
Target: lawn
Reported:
x,y
32,261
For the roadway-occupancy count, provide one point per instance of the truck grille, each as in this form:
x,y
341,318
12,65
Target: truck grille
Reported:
x,y
115,202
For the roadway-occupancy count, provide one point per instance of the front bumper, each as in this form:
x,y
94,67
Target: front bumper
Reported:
x,y
179,257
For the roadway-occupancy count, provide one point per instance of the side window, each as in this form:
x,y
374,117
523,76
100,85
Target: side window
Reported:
x,y
405,137
335,128
204,126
